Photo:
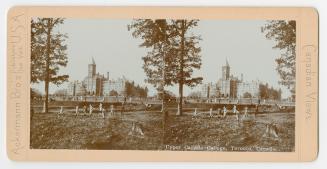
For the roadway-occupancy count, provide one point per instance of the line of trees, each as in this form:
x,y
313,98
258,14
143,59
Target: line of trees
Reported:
x,y
174,54
48,53
35,94
132,90
283,32
266,92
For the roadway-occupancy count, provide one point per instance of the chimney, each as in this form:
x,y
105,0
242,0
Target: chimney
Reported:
x,y
108,75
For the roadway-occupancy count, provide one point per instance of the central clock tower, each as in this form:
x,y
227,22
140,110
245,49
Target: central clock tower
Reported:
x,y
226,71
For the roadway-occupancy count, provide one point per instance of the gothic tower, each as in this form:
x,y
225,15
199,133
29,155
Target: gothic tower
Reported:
x,y
226,71
92,69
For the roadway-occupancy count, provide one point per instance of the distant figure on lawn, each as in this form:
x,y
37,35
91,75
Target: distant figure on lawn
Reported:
x,y
195,112
90,109
210,112
112,109
76,110
101,110
225,111
236,112
61,111
245,111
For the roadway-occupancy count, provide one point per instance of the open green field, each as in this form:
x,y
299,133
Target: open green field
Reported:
x,y
200,133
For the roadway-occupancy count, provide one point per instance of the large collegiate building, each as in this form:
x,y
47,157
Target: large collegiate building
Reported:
x,y
229,86
95,84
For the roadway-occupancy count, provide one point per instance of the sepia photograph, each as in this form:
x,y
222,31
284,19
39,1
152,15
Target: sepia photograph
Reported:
x,y
163,84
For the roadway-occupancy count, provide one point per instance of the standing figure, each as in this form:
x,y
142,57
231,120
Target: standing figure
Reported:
x,y
84,109
225,111
195,112
112,109
61,111
210,112
90,109
43,110
245,111
76,110
101,110
236,112
100,107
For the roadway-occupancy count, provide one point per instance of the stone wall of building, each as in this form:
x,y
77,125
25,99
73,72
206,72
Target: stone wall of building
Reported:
x,y
209,90
248,87
76,88
116,85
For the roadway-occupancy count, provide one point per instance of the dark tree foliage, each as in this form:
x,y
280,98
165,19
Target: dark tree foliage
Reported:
x,y
284,34
175,51
247,95
48,53
113,93
195,95
188,58
37,52
35,94
266,92
60,92
132,90
156,35
158,63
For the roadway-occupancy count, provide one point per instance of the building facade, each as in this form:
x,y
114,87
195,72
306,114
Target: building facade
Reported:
x,y
251,88
117,85
76,88
229,86
209,90
96,84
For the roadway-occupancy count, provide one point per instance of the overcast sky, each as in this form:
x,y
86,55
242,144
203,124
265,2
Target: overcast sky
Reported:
x,y
116,51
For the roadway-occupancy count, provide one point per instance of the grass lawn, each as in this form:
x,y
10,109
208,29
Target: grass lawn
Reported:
x,y
200,133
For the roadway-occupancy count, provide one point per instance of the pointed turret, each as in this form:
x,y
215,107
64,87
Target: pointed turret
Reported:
x,y
92,68
227,64
93,62
226,71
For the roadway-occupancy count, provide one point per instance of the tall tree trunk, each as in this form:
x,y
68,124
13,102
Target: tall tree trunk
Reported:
x,y
164,119
164,106
47,72
181,70
180,102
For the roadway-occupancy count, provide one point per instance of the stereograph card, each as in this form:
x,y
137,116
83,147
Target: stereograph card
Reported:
x,y
162,84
